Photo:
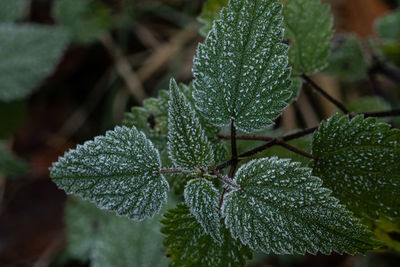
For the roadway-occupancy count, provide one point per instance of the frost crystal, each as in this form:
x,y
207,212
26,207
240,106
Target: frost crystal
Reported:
x,y
359,160
117,172
241,69
283,209
202,199
188,145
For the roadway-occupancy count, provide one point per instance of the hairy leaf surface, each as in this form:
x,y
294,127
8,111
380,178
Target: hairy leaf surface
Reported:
x,y
202,199
241,69
28,54
189,245
188,146
283,209
358,160
308,26
117,172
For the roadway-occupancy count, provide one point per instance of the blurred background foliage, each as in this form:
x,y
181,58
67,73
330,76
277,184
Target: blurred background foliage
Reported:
x,y
70,69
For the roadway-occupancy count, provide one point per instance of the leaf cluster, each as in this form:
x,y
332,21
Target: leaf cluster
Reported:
x,y
244,77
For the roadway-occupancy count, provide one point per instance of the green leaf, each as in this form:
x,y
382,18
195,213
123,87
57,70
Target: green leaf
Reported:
x,y
117,172
189,245
188,145
152,120
368,104
84,223
202,198
387,27
283,209
126,243
308,26
347,59
26,59
107,240
86,20
359,161
11,165
241,69
295,88
11,10
210,12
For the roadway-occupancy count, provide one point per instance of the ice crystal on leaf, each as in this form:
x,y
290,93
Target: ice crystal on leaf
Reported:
x,y
188,145
117,172
241,69
283,209
202,198
359,160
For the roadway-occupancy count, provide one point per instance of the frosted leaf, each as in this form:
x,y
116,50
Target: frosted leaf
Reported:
x,y
308,25
188,146
202,198
189,245
241,69
11,10
116,172
295,87
346,58
359,161
152,120
283,209
28,54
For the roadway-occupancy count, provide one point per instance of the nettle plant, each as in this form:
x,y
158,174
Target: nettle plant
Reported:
x,y
235,203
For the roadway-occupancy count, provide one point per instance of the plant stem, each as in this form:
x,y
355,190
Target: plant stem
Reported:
x,y
170,171
223,165
258,149
234,150
393,112
295,149
225,179
233,140
299,134
248,137
221,200
325,94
